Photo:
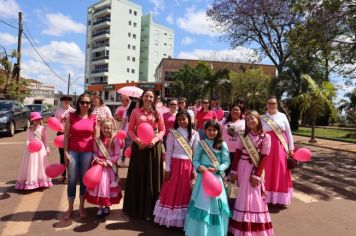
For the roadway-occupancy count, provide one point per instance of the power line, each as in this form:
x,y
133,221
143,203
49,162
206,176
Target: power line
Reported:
x,y
8,24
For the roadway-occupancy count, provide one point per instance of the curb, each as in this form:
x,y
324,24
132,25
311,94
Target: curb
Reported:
x,y
325,146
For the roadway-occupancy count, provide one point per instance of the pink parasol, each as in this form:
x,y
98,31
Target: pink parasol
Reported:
x,y
130,91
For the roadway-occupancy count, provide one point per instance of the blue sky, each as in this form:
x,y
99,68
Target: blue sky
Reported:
x,y
57,28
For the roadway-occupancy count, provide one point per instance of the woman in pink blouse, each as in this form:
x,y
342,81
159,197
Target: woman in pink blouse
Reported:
x,y
170,117
145,173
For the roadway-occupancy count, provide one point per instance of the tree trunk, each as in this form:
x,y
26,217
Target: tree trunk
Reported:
x,y
312,136
294,118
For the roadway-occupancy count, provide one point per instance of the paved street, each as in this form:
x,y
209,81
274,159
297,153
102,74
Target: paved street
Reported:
x,y
324,201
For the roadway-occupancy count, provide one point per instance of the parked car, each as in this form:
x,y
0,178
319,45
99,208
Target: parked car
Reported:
x,y
41,108
13,115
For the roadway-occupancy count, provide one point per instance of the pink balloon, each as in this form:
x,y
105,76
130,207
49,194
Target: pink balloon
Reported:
x,y
34,146
120,113
54,124
92,176
127,152
302,154
145,132
121,134
59,141
211,184
55,170
220,114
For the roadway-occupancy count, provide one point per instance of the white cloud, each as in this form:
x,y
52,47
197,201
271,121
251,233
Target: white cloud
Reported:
x,y
196,22
187,40
66,53
63,58
9,9
158,6
7,39
58,24
170,19
239,54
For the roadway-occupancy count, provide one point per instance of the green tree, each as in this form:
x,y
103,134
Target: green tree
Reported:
x,y
314,100
251,85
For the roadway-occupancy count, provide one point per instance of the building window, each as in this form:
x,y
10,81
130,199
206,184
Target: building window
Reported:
x,y
135,24
130,11
106,95
133,59
128,58
133,47
164,54
129,22
134,36
128,46
135,13
133,71
156,43
129,34
165,44
89,22
128,70
165,33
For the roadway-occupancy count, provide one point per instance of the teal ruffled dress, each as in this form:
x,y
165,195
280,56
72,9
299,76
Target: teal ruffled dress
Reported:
x,y
208,215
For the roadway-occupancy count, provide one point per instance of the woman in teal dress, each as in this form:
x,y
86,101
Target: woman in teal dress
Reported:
x,y
209,215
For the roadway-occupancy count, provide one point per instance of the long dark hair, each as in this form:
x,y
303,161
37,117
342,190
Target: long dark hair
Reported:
x,y
218,139
190,127
259,126
132,106
229,118
153,106
77,104
182,99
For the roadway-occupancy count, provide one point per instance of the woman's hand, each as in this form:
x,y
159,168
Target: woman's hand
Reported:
x,y
202,169
213,169
151,145
67,159
254,181
167,175
140,144
291,153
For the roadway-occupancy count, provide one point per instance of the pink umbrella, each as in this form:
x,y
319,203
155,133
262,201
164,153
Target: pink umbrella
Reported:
x,y
130,91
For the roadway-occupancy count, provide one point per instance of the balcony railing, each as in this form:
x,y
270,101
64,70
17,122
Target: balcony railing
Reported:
x,y
102,9
101,33
100,58
100,71
101,45
101,21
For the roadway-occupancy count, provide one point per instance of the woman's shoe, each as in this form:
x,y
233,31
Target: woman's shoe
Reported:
x,y
106,211
100,212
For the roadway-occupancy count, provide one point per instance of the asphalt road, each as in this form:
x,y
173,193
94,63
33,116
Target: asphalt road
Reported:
x,y
323,204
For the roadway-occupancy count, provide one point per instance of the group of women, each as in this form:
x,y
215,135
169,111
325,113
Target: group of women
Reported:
x,y
194,141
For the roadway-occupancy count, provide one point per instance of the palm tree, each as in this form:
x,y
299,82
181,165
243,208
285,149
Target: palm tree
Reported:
x,y
314,99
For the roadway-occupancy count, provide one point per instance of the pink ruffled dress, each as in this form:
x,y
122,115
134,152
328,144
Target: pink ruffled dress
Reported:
x,y
32,173
108,191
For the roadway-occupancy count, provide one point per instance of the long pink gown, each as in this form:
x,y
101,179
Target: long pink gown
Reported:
x,y
32,173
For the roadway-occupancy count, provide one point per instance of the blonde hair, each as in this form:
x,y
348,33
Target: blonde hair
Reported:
x,y
101,135
259,126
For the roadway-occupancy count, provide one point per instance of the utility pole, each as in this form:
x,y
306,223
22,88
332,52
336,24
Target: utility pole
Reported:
x,y
19,41
68,84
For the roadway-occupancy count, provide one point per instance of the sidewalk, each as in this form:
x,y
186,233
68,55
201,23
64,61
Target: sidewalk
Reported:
x,y
335,145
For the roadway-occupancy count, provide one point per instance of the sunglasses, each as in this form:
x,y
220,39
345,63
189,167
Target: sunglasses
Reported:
x,y
84,103
205,102
181,102
173,104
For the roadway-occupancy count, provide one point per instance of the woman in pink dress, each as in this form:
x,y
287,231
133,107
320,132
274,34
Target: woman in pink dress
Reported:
x,y
229,127
250,215
203,116
32,173
145,173
108,191
170,117
278,178
172,206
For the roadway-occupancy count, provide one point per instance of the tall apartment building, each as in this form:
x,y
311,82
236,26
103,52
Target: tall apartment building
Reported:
x,y
113,42
119,49
157,42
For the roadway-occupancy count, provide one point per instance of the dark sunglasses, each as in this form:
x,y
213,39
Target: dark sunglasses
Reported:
x,y
205,102
84,103
173,104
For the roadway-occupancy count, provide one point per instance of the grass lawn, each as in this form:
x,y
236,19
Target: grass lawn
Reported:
x,y
327,133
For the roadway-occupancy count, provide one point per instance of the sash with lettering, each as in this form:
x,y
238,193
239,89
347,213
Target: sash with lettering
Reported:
x,y
37,134
183,143
276,130
106,154
250,147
